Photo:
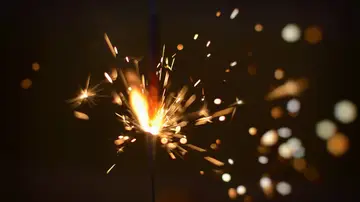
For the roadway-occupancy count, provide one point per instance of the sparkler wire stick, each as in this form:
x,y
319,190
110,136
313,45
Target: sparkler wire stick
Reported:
x,y
151,141
154,40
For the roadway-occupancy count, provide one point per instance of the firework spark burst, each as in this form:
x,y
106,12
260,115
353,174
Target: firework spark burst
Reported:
x,y
164,113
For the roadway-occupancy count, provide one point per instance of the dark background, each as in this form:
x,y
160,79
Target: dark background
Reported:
x,y
55,157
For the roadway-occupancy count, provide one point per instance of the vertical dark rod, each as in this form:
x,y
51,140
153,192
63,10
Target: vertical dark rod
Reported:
x,y
151,157
154,49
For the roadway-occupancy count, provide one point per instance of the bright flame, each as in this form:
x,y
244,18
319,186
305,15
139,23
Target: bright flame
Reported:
x,y
140,107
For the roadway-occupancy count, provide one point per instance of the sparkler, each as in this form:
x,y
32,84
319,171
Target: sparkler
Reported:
x,y
160,114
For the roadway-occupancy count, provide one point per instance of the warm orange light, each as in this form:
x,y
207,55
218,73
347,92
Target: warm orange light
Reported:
x,y
139,105
180,47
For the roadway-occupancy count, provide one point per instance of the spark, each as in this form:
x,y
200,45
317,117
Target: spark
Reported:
x,y
208,43
197,83
214,161
109,170
110,45
234,13
81,115
108,77
85,95
290,88
233,64
164,114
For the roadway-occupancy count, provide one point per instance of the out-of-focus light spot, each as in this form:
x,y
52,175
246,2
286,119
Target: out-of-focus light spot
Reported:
x,y
222,118
208,55
180,47
116,50
270,138
283,188
263,150
183,140
164,140
227,70
293,106
129,89
217,101
196,36
201,172
248,199
226,177
252,70
218,141
234,13
35,66
126,137
311,173
265,182
313,35
26,83
325,129
338,144
241,190
258,27
263,159
232,193
279,74
284,132
81,115
276,112
299,164
252,131
294,144
230,161
127,59
218,13
133,140
345,111
299,153
120,137
213,146
232,64
291,33
285,151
